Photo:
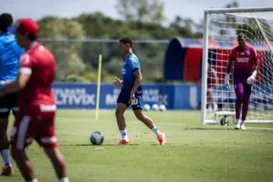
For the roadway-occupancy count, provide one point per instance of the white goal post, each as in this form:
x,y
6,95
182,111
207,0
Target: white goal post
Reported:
x,y
221,27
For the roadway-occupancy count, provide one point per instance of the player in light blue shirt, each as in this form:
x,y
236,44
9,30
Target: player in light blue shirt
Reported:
x,y
9,63
131,93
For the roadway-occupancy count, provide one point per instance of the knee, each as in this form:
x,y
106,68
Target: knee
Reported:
x,y
246,99
55,155
118,112
140,116
240,97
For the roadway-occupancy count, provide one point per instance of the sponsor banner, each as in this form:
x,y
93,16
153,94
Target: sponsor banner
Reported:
x,y
83,96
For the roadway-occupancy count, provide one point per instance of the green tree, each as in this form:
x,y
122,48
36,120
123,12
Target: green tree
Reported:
x,y
256,29
141,10
66,54
233,4
185,27
81,59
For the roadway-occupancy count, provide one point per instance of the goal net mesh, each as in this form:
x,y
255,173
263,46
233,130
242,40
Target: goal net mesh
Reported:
x,y
222,34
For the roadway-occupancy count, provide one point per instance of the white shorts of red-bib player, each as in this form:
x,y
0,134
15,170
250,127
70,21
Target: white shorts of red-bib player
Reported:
x,y
34,123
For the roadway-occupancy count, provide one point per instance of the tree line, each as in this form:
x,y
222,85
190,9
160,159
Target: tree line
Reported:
x,y
140,19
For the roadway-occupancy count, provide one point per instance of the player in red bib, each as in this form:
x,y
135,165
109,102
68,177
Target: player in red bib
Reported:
x,y
245,63
35,119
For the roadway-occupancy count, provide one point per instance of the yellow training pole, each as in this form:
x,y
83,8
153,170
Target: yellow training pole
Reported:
x,y
98,88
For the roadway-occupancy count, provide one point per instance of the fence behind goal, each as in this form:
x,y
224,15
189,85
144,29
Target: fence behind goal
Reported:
x,y
80,57
221,28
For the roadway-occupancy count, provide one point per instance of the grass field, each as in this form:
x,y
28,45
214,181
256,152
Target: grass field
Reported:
x,y
192,153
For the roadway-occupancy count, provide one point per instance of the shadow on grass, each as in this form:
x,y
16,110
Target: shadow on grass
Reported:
x,y
90,145
230,128
209,128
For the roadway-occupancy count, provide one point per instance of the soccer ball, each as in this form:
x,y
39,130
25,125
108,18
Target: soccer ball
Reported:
x,y
146,107
155,107
97,138
162,107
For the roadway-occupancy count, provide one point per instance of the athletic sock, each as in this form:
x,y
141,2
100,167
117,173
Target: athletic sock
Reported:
x,y
156,131
5,156
64,180
34,180
124,135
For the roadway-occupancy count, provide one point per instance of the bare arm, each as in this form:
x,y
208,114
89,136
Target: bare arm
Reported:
x,y
117,82
121,81
256,64
138,80
18,84
252,78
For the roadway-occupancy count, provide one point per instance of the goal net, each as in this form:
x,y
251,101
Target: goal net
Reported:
x,y
220,36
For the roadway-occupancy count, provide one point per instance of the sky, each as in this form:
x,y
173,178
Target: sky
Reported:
x,y
37,9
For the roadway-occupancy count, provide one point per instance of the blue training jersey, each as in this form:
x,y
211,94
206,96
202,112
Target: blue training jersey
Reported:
x,y
10,53
129,66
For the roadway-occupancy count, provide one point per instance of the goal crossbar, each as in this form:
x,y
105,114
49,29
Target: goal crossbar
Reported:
x,y
239,10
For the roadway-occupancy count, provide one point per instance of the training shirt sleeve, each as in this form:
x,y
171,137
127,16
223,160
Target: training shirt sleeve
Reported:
x,y
254,56
25,64
134,64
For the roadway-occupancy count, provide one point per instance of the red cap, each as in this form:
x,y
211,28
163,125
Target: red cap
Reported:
x,y
27,25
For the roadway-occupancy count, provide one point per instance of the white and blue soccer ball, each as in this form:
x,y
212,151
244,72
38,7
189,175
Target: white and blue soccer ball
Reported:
x,y
155,107
96,138
162,107
146,107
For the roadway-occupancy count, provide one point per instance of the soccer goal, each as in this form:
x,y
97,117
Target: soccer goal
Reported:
x,y
221,27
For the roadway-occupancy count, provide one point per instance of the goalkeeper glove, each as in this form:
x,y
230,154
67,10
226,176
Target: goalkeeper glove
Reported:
x,y
227,80
251,79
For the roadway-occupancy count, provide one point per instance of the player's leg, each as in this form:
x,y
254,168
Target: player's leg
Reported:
x,y
58,162
47,139
4,147
211,104
247,93
122,104
12,102
121,108
23,163
21,136
239,90
138,111
4,143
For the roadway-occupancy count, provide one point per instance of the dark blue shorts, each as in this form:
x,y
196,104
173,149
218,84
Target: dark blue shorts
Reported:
x,y
8,103
124,97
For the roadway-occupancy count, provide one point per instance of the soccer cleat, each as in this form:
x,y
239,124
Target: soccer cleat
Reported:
x,y
6,171
124,142
238,126
243,127
162,138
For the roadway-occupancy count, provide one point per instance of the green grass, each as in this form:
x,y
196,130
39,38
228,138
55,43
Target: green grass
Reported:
x,y
192,152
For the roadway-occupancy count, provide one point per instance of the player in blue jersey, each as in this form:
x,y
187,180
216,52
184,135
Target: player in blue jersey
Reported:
x,y
131,93
9,62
